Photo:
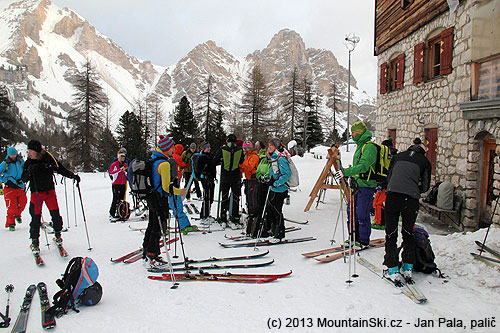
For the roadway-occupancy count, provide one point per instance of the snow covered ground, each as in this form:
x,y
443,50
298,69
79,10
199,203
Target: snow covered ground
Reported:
x,y
314,292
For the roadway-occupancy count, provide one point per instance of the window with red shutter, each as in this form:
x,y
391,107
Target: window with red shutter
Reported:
x,y
400,75
418,63
431,147
383,78
446,51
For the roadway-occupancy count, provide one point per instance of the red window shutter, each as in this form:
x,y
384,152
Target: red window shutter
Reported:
x,y
418,63
400,79
446,51
383,78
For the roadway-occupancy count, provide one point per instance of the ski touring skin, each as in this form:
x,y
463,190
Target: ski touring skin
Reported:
x,y
62,252
417,297
22,318
330,258
488,249
211,266
213,259
335,249
267,242
212,278
244,238
48,320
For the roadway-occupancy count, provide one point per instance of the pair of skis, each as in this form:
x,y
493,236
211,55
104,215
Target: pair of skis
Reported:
x,y
223,277
408,288
341,251
190,208
267,242
136,255
48,320
488,249
62,252
244,238
296,221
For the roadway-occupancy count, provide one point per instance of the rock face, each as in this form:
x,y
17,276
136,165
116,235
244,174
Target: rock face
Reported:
x,y
49,44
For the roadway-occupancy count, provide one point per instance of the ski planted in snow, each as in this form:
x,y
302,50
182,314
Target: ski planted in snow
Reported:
x,y
330,258
60,248
336,249
244,238
188,209
477,256
22,318
48,320
212,259
267,242
196,210
212,266
488,249
213,278
405,289
296,221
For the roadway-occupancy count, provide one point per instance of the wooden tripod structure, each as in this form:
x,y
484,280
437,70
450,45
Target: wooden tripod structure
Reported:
x,y
325,179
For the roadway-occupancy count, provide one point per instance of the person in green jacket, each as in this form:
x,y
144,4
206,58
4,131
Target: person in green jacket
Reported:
x,y
262,175
187,172
363,161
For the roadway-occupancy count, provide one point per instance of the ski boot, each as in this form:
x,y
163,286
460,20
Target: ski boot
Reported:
x,y
19,220
12,227
58,240
406,271
154,261
378,226
392,274
112,219
35,247
188,229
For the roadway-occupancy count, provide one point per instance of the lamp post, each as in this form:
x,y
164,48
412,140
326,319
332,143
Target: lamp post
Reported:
x,y
307,109
350,42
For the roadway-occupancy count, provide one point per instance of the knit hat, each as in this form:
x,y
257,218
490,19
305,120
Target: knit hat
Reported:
x,y
122,149
231,138
205,146
358,127
11,151
165,142
192,146
276,142
247,144
35,145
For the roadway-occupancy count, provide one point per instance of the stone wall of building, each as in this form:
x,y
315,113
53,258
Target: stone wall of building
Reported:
x,y
434,104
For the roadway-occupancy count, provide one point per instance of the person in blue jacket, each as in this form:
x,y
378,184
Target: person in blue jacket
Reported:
x,y
279,174
11,171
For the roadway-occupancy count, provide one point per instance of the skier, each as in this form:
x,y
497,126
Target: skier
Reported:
x,y
122,150
39,170
262,176
362,197
178,149
230,156
409,176
208,174
249,168
118,173
188,170
11,171
279,174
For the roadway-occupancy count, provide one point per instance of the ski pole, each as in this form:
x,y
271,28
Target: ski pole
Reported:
x,y
41,215
219,200
491,222
66,201
160,216
262,220
6,320
354,275
83,213
74,203
337,223
180,232
351,204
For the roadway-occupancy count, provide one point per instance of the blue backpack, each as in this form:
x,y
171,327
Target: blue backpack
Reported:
x,y
78,286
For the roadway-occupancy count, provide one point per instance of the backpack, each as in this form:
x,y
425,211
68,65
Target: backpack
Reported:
x,y
446,192
423,252
380,170
142,177
431,198
294,173
197,173
78,286
123,210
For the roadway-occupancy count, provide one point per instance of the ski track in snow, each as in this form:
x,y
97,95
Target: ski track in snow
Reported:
x,y
133,303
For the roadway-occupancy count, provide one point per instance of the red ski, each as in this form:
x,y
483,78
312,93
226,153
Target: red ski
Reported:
x,y
38,259
60,248
129,255
139,255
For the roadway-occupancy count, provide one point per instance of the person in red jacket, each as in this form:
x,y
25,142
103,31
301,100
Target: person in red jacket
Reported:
x,y
118,173
249,168
177,155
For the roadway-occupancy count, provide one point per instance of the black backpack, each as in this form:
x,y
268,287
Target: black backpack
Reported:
x,y
141,183
423,252
431,198
195,165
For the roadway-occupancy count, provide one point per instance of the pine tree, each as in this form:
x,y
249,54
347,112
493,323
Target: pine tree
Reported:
x,y
132,135
86,117
255,103
309,131
207,108
293,103
108,146
216,134
7,123
184,128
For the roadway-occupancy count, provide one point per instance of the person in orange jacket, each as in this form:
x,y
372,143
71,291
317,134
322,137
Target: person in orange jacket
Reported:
x,y
177,155
249,168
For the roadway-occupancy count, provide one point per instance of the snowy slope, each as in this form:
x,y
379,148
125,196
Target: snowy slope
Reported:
x,y
133,303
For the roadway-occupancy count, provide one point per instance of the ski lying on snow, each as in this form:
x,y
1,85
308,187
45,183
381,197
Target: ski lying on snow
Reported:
x,y
196,210
330,258
267,242
211,266
188,209
296,221
22,318
48,320
211,259
131,254
239,275
477,256
244,238
196,277
335,249
488,249
405,288
139,255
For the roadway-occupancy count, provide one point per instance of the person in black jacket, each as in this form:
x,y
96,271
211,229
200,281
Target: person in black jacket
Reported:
x,y
39,170
230,156
206,167
409,176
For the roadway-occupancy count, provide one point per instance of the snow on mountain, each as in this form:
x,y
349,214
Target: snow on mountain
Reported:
x,y
42,46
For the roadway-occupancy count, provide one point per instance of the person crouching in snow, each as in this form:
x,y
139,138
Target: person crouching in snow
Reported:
x,y
11,171
118,174
279,173
39,170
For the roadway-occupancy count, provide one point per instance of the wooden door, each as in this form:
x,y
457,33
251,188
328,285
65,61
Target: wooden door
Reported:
x,y
487,172
392,134
431,147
